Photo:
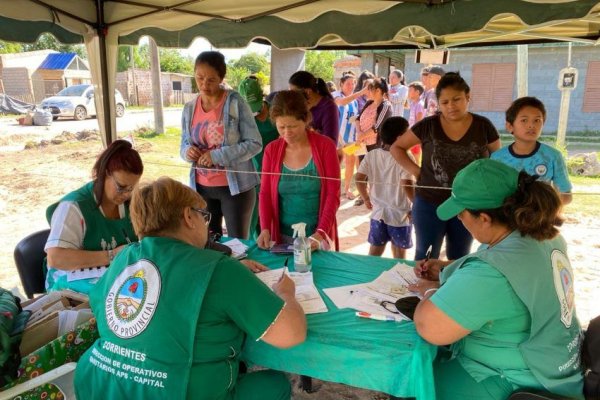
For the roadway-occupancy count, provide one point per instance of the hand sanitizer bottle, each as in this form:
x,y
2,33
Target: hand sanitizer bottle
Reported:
x,y
302,254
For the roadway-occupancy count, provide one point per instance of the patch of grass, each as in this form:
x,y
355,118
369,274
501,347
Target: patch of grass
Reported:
x,y
586,196
160,154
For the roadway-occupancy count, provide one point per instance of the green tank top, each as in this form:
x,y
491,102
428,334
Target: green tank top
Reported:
x,y
299,198
101,234
147,306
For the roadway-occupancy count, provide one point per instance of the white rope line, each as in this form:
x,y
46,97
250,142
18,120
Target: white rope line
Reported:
x,y
281,174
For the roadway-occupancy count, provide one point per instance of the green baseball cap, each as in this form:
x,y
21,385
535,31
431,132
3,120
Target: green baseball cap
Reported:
x,y
482,185
251,92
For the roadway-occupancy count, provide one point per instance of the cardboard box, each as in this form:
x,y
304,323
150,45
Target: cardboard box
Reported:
x,y
42,327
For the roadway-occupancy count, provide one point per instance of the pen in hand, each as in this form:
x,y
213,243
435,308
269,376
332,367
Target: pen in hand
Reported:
x,y
284,268
428,254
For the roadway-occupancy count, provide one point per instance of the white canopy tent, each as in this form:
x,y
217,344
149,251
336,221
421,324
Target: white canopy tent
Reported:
x,y
104,24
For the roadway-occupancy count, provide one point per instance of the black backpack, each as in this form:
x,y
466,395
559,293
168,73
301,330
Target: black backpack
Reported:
x,y
590,356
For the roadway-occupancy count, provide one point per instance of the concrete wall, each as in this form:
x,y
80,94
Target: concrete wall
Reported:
x,y
545,63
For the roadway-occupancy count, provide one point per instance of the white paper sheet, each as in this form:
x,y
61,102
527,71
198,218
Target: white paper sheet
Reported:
x,y
306,292
238,249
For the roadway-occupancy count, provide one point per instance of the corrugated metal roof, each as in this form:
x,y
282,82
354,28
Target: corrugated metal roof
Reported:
x,y
58,61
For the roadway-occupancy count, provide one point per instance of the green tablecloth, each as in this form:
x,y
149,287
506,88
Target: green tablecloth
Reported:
x,y
385,356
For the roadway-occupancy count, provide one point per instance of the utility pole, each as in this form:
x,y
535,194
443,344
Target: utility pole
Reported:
x,y
159,123
522,67
567,82
136,100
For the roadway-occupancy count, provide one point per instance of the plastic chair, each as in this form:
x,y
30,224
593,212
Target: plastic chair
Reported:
x,y
29,258
61,377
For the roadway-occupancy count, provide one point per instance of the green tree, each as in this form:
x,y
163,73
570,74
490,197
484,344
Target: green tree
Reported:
x,y
47,41
235,75
10,47
253,62
320,63
140,55
171,60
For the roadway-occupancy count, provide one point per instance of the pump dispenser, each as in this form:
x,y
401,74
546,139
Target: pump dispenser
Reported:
x,y
302,254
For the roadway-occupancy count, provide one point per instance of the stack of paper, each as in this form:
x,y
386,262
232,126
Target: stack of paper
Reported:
x,y
306,292
377,297
238,249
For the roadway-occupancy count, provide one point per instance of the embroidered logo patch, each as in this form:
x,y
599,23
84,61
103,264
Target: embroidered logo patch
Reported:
x,y
541,169
563,283
132,299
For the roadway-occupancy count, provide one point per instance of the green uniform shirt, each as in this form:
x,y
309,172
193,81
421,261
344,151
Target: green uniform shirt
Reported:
x,y
171,319
268,133
541,277
299,197
101,234
499,323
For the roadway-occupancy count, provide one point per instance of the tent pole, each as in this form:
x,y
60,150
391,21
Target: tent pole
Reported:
x,y
106,98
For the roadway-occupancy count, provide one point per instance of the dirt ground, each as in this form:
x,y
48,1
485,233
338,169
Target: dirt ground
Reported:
x,y
32,179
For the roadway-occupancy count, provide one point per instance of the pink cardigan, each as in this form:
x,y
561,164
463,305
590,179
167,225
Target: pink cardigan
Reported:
x,y
325,157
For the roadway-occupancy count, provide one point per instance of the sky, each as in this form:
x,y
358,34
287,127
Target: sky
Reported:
x,y
199,45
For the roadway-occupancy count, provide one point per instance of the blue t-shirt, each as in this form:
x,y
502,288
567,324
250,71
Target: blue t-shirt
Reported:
x,y
544,160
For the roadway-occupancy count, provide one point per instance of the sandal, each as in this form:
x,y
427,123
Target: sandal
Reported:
x,y
359,202
350,195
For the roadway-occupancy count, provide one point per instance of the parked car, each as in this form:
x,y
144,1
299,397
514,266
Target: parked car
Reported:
x,y
78,102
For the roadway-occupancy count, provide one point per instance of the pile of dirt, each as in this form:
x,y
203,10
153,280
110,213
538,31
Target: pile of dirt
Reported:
x,y
81,136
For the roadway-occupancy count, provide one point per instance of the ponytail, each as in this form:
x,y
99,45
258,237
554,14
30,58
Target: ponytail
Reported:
x,y
533,210
322,89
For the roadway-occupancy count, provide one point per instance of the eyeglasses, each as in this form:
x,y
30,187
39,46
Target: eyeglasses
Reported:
x,y
120,188
205,214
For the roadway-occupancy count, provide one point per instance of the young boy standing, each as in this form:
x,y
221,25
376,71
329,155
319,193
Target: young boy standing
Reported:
x,y
390,193
525,119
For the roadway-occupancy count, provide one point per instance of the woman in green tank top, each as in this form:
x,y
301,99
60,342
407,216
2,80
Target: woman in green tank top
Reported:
x,y
301,178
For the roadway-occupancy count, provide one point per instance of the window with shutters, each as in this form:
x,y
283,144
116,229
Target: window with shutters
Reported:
x,y
591,95
492,86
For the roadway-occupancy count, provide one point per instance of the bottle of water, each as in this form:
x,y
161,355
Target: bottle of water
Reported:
x,y
302,253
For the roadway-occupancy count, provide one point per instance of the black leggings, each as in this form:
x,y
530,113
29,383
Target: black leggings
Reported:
x,y
237,209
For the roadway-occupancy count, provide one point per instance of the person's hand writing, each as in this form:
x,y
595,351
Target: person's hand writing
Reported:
x,y
285,287
263,240
423,285
429,269
193,153
254,266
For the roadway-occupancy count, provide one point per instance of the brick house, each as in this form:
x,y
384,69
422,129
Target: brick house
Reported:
x,y
34,75
137,89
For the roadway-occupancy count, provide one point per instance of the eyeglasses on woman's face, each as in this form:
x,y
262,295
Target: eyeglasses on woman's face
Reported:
x,y
121,189
205,214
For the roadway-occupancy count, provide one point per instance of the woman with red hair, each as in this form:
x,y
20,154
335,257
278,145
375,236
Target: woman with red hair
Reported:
x,y
90,225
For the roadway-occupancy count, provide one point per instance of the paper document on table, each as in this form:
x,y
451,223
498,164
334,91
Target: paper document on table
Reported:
x,y
377,297
405,273
85,273
238,249
341,295
306,292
